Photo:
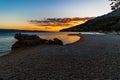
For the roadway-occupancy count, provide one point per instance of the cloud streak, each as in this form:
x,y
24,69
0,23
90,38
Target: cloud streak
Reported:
x,y
60,21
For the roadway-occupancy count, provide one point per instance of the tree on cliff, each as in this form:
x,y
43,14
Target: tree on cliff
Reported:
x,y
115,4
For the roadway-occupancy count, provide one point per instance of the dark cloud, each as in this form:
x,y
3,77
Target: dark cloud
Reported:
x,y
57,21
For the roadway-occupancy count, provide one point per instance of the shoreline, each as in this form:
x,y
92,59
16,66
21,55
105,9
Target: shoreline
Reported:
x,y
92,57
72,34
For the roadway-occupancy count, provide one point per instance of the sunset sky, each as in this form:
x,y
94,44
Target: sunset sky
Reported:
x,y
16,14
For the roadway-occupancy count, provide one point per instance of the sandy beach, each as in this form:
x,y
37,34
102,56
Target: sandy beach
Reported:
x,y
93,57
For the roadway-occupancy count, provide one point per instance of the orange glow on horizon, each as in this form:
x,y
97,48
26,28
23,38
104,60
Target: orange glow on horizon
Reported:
x,y
27,26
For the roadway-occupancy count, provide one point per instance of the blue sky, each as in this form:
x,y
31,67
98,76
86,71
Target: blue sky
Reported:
x,y
54,8
20,11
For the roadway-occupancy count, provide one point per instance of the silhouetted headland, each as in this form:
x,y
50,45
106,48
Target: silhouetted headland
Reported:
x,y
106,23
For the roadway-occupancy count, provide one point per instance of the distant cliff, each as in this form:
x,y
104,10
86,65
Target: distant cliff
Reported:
x,y
108,22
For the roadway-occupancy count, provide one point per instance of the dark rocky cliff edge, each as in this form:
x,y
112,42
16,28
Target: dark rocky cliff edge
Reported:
x,y
25,40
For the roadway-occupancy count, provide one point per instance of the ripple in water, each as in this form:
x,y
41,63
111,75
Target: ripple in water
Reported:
x,y
6,43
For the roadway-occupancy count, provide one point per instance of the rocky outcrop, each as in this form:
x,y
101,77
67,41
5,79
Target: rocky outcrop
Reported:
x,y
54,42
25,40
58,42
26,37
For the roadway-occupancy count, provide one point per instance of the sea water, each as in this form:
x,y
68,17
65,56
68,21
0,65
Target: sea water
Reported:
x,y
7,38
6,42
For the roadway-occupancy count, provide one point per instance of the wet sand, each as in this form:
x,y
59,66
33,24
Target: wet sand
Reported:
x,y
93,57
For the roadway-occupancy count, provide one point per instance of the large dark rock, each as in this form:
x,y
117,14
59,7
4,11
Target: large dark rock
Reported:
x,y
26,37
25,40
25,43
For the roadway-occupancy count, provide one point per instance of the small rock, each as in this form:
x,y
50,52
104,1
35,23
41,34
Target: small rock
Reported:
x,y
58,42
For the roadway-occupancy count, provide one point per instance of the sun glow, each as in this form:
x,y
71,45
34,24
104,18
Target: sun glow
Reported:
x,y
48,27
58,28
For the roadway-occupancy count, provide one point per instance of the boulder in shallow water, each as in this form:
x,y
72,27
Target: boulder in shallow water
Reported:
x,y
58,42
54,42
25,40
26,37
25,43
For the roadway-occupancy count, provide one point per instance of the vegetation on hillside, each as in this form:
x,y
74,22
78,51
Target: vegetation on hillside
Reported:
x,y
115,4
